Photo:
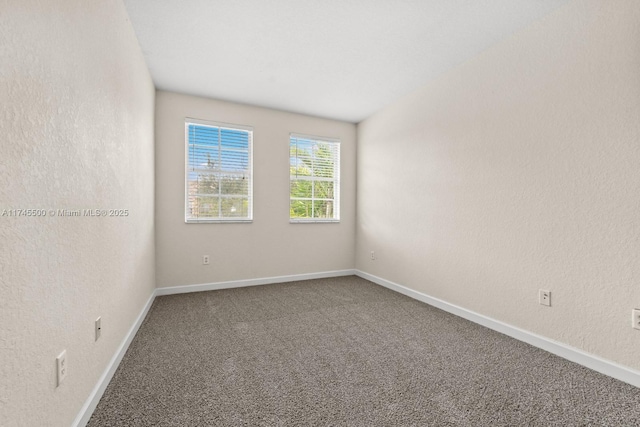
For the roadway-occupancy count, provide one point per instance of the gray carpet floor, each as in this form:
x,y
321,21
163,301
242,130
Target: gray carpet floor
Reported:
x,y
345,352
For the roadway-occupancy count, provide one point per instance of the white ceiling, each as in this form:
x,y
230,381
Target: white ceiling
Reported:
x,y
341,59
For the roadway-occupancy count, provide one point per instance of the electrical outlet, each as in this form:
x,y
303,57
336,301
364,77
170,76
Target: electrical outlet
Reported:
x,y
98,327
373,255
61,363
544,297
635,318
205,259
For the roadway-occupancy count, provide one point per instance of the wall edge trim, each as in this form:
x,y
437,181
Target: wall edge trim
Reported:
x,y
591,361
96,394
172,290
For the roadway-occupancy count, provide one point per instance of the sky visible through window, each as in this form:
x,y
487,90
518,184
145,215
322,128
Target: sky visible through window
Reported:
x,y
314,179
220,149
219,173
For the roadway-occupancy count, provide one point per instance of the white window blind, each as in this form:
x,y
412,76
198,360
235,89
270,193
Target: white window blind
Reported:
x,y
219,183
314,169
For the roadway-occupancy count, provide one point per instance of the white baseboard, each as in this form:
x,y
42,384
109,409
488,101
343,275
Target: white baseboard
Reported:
x,y
251,282
572,354
603,366
96,394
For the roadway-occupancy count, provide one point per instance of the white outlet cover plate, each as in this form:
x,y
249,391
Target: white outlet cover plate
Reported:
x,y
61,363
635,318
98,327
544,297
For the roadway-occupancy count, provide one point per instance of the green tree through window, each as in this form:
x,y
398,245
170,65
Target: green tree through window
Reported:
x,y
314,169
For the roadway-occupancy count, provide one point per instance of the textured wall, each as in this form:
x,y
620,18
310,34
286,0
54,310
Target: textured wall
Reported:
x,y
269,246
515,171
76,132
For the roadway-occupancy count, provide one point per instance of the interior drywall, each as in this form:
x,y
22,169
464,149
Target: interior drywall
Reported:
x,y
76,133
518,171
269,246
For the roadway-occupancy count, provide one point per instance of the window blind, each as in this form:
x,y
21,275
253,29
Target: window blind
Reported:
x,y
314,170
219,182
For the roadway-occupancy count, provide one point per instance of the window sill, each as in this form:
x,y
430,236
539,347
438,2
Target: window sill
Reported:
x,y
314,221
217,221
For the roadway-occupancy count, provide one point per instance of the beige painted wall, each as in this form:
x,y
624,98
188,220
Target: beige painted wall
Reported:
x,y
515,171
76,132
269,246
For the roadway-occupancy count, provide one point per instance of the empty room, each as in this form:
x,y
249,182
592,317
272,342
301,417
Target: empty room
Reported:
x,y
340,213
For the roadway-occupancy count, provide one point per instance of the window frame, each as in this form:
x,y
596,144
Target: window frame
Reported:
x,y
221,125
336,178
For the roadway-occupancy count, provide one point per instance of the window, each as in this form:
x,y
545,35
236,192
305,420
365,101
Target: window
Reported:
x,y
314,169
219,183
